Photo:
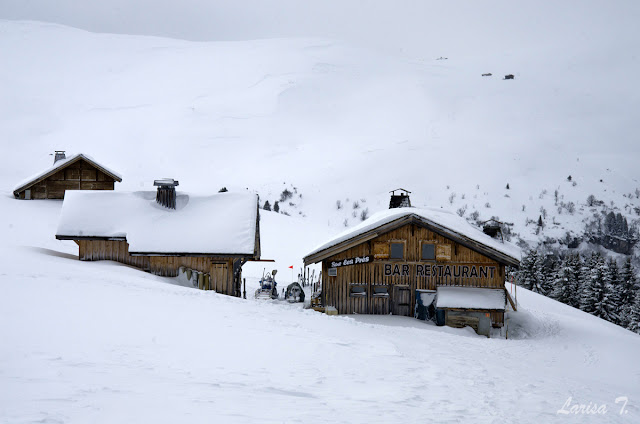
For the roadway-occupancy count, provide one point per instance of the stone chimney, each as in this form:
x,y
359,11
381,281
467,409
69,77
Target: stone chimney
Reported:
x,y
400,200
166,195
58,155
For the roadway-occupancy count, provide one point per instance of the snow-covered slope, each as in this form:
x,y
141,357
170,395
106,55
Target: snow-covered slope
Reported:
x,y
101,342
334,121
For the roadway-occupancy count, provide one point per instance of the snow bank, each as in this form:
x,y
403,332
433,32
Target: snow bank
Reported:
x,y
223,223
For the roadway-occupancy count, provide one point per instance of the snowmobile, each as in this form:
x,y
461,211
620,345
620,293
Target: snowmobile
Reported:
x,y
294,293
268,286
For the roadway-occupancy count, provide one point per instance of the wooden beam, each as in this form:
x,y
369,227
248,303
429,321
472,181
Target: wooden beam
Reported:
x,y
513,305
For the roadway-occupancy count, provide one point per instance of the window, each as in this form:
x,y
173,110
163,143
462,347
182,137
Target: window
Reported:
x,y
358,291
380,291
428,251
397,251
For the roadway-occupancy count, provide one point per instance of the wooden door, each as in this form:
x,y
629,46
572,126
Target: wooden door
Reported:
x,y
401,300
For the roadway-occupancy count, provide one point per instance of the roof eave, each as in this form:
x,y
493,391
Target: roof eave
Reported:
x,y
67,237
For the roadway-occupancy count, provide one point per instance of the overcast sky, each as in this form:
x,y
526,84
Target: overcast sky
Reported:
x,y
391,24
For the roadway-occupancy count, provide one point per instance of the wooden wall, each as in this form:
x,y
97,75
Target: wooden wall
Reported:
x,y
336,290
80,175
220,269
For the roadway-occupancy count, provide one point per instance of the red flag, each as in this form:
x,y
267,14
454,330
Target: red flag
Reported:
x,y
291,267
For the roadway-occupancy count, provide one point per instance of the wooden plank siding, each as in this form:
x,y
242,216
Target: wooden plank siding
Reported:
x,y
79,175
220,269
336,290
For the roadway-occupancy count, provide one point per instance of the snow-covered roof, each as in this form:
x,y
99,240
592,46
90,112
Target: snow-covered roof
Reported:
x,y
219,224
61,164
470,298
455,227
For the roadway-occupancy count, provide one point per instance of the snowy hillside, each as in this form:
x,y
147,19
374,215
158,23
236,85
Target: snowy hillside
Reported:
x,y
101,342
325,126
333,121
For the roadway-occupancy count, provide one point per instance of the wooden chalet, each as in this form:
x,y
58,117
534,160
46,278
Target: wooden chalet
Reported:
x,y
402,256
164,232
76,172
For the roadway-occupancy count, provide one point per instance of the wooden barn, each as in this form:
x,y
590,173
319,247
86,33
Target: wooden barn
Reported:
x,y
76,172
166,231
403,257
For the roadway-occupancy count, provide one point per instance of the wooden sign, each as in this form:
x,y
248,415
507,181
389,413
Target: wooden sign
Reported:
x,y
443,252
381,250
351,261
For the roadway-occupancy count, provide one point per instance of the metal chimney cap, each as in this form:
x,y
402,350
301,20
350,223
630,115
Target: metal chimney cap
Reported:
x,y
165,182
58,155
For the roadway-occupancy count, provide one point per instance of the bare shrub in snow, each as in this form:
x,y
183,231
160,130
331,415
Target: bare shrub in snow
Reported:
x,y
487,205
338,204
461,211
286,194
364,214
452,197
543,211
356,205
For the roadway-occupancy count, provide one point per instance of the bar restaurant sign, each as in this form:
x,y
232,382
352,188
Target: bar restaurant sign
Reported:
x,y
439,270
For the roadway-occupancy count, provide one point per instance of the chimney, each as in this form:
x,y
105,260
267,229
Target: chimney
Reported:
x,y
399,200
166,195
58,155
492,228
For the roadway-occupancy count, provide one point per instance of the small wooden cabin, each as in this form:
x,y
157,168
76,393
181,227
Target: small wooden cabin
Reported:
x,y
382,265
76,172
162,232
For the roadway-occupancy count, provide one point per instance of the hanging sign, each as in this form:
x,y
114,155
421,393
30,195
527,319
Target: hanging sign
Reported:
x,y
352,261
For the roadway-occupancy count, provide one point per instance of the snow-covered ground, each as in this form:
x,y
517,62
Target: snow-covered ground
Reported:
x,y
328,121
102,342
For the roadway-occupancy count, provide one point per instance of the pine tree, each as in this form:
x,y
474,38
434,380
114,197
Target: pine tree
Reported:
x,y
634,316
548,271
627,292
527,274
267,206
575,264
276,207
596,297
564,288
592,277
612,280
